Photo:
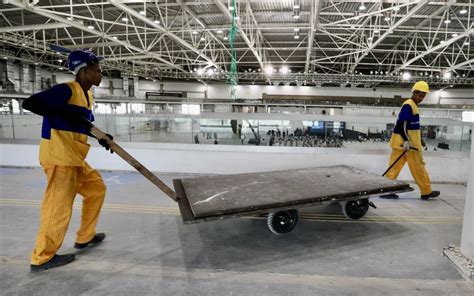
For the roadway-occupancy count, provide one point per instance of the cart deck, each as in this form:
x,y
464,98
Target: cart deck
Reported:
x,y
226,196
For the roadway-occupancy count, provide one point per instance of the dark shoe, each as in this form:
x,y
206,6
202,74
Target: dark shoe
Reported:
x,y
389,196
433,194
98,238
56,261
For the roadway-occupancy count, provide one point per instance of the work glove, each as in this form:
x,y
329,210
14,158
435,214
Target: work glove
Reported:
x,y
406,145
103,143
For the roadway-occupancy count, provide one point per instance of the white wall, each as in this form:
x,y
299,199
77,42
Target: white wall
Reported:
x,y
216,159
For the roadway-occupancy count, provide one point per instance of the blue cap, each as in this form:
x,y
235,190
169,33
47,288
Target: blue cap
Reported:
x,y
80,58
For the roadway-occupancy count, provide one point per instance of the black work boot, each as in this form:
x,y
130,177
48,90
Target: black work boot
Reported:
x,y
433,194
389,196
56,261
98,238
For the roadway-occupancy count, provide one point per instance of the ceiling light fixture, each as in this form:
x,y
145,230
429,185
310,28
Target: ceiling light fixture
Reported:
x,y
269,70
396,8
362,6
124,19
463,11
156,20
142,12
406,76
455,35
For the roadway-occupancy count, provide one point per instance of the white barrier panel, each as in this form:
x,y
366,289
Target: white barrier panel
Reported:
x,y
220,159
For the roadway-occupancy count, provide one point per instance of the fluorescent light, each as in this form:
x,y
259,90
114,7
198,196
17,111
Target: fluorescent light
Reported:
x,y
203,39
296,6
142,12
225,37
156,21
447,21
466,43
60,61
362,7
370,38
297,36
441,41
396,8
69,18
463,11
219,31
115,37
455,35
406,76
195,32
387,18
296,16
231,8
90,27
296,29
376,31
284,70
447,75
124,19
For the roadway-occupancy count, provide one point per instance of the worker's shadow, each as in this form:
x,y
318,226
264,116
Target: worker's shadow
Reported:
x,y
247,243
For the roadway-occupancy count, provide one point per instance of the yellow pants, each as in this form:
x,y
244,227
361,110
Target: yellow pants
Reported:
x,y
64,182
416,165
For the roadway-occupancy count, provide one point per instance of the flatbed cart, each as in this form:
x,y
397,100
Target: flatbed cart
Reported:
x,y
278,194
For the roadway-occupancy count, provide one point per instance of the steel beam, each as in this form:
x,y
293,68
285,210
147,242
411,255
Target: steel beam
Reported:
x,y
435,48
77,25
388,32
171,35
314,23
35,27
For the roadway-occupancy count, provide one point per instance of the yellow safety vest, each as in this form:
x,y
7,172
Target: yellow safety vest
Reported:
x,y
413,129
66,145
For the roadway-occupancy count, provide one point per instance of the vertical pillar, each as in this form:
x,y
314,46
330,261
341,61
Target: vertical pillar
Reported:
x,y
25,85
37,79
11,75
125,86
135,87
467,238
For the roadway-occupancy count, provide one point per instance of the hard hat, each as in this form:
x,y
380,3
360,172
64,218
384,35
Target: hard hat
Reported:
x,y
80,58
421,86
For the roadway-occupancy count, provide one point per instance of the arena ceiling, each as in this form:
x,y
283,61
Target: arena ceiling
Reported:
x,y
374,42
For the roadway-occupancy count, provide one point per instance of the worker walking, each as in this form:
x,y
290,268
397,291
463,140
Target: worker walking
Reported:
x,y
407,145
66,110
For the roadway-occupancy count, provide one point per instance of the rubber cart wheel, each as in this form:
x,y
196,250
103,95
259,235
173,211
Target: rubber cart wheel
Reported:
x,y
282,222
355,209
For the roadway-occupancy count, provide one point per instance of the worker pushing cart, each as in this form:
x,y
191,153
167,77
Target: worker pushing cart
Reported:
x,y
67,110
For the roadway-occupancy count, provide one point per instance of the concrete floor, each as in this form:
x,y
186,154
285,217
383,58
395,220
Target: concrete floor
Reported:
x,y
395,250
